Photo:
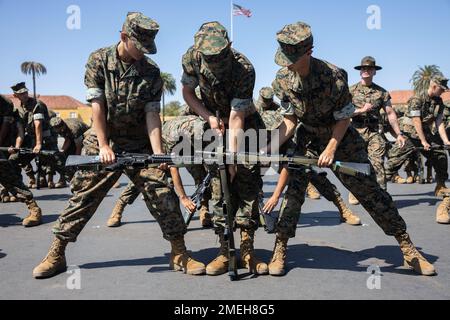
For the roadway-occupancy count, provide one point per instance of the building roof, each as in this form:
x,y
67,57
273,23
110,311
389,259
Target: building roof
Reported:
x,y
402,96
55,102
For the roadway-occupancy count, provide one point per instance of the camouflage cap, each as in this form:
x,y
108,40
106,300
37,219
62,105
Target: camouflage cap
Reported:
x,y
211,38
19,88
56,122
368,62
441,81
142,31
295,40
266,93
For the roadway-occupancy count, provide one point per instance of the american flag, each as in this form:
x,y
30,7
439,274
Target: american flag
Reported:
x,y
240,11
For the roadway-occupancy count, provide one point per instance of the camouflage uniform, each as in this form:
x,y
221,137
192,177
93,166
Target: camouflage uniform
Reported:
x,y
368,124
319,101
10,179
129,92
72,130
190,127
428,109
226,85
29,112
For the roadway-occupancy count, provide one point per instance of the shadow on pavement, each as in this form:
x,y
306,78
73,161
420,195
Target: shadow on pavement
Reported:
x,y
8,220
2,254
53,197
323,257
410,203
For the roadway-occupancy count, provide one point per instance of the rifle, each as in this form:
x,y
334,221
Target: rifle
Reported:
x,y
128,161
28,151
197,197
348,168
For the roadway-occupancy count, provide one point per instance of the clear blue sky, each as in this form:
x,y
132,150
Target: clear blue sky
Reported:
x,y
413,33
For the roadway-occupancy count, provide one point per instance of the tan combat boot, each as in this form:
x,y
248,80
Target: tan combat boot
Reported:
x,y
13,199
441,190
352,200
34,217
205,217
61,182
248,258
278,261
413,259
409,177
220,264
115,220
442,211
116,185
180,260
397,179
50,183
311,192
347,215
54,262
43,182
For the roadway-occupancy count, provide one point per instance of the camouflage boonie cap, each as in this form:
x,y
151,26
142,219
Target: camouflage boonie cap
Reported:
x,y
441,81
19,88
266,93
211,38
56,122
368,62
295,40
142,31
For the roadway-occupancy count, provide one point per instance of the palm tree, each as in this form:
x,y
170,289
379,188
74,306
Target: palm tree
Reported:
x,y
35,69
169,87
422,77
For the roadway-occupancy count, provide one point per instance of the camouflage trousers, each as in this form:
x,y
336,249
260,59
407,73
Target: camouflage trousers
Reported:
x,y
89,188
373,198
398,156
244,192
376,150
12,181
49,164
323,185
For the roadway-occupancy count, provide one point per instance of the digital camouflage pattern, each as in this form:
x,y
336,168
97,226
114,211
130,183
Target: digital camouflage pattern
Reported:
x,y
128,94
211,38
142,31
227,87
6,111
183,127
272,119
294,40
319,101
368,124
428,109
34,110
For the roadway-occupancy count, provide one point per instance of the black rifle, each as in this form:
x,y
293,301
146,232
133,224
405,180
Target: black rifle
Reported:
x,y
129,161
197,197
28,151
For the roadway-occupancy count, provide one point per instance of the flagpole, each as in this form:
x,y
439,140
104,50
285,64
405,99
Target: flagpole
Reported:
x,y
231,13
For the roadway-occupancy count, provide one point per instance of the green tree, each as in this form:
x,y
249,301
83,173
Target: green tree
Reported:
x,y
172,109
169,87
421,78
35,69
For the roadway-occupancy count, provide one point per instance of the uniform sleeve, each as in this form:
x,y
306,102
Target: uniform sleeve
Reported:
x,y
39,112
344,107
94,78
243,94
414,108
286,108
153,100
387,100
189,77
